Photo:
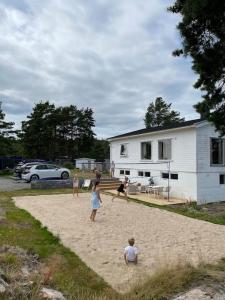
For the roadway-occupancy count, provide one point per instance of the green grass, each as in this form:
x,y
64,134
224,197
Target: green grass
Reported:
x,y
75,279
190,210
19,228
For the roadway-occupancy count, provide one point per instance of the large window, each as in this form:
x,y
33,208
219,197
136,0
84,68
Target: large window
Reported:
x,y
123,150
165,175
164,149
144,173
146,150
217,151
124,172
222,178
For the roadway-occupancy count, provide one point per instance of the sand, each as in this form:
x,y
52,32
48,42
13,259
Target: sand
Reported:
x,y
161,236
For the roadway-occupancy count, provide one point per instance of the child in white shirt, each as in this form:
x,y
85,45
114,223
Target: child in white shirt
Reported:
x,y
131,252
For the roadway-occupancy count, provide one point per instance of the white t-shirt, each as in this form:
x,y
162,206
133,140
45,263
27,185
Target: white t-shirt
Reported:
x,y
131,253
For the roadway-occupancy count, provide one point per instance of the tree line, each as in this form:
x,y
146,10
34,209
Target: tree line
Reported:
x,y
53,132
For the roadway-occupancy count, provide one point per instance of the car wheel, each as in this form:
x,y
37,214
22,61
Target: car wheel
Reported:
x,y
34,177
65,175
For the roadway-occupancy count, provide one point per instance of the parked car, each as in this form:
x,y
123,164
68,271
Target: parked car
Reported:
x,y
45,171
22,166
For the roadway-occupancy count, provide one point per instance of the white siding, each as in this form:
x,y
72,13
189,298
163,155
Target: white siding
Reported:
x,y
209,188
183,160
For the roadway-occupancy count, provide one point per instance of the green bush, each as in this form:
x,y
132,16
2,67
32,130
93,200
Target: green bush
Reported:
x,y
68,165
5,172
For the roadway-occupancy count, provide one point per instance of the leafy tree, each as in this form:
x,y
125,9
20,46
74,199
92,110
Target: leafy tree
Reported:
x,y
37,134
159,113
6,136
202,30
100,150
57,132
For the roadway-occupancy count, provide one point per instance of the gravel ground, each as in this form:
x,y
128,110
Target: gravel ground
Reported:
x,y
9,184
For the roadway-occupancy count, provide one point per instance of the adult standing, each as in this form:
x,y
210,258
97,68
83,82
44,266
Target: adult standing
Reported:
x,y
95,200
112,169
98,175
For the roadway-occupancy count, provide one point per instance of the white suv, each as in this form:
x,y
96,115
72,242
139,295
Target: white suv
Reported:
x,y
45,171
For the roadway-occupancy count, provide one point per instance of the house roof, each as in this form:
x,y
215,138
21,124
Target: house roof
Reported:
x,y
158,128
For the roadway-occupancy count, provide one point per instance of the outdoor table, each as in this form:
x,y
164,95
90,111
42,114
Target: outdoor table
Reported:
x,y
154,189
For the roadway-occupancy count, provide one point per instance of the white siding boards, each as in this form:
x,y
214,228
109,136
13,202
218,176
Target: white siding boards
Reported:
x,y
194,151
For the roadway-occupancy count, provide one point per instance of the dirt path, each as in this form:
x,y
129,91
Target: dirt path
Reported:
x,y
161,236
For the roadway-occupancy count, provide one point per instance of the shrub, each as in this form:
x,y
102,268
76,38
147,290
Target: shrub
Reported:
x,y
68,165
5,172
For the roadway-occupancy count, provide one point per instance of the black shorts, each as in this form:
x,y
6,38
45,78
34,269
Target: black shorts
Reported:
x,y
121,189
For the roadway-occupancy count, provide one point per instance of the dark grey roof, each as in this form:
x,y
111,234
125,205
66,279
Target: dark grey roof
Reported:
x,y
158,128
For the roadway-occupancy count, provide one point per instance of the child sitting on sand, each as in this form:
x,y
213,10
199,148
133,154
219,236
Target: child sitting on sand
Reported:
x,y
131,252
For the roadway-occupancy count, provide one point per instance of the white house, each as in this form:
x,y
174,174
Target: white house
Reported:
x,y
85,163
189,155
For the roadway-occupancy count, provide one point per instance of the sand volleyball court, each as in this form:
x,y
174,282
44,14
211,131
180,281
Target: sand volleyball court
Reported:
x,y
160,236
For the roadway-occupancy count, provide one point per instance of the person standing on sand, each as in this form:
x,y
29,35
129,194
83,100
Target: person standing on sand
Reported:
x,y
75,185
112,169
98,175
122,189
95,200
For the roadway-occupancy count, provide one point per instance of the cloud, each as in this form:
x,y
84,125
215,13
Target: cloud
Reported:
x,y
112,56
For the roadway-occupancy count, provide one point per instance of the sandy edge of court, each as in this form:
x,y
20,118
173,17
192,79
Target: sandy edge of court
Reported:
x,y
161,237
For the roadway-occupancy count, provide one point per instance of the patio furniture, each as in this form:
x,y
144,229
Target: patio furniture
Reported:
x,y
132,189
143,189
164,192
87,183
155,189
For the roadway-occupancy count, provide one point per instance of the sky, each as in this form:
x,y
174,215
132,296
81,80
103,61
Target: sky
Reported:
x,y
112,56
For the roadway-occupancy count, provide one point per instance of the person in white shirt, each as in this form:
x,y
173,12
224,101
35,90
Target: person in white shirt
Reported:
x,y
131,252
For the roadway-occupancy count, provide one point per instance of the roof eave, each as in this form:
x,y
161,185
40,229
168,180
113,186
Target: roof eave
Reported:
x,y
154,132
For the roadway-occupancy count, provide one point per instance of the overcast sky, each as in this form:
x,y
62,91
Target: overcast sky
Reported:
x,y
112,56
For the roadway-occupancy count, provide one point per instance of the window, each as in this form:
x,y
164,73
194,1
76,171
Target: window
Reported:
x,y
51,167
174,176
41,167
164,149
222,178
165,175
144,174
126,172
217,151
146,150
123,150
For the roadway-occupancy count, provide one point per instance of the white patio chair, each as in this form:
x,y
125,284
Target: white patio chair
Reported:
x,y
143,189
132,189
87,183
164,192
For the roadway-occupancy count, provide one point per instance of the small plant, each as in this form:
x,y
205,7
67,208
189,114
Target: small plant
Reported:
x,y
11,260
5,172
68,165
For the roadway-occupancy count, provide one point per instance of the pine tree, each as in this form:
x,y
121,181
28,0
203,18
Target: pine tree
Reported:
x,y
202,29
159,113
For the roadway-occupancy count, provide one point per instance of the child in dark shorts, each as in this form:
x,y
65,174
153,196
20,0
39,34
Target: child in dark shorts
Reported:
x,y
122,189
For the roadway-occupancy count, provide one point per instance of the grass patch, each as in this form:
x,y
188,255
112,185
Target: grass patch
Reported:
x,y
190,210
69,274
